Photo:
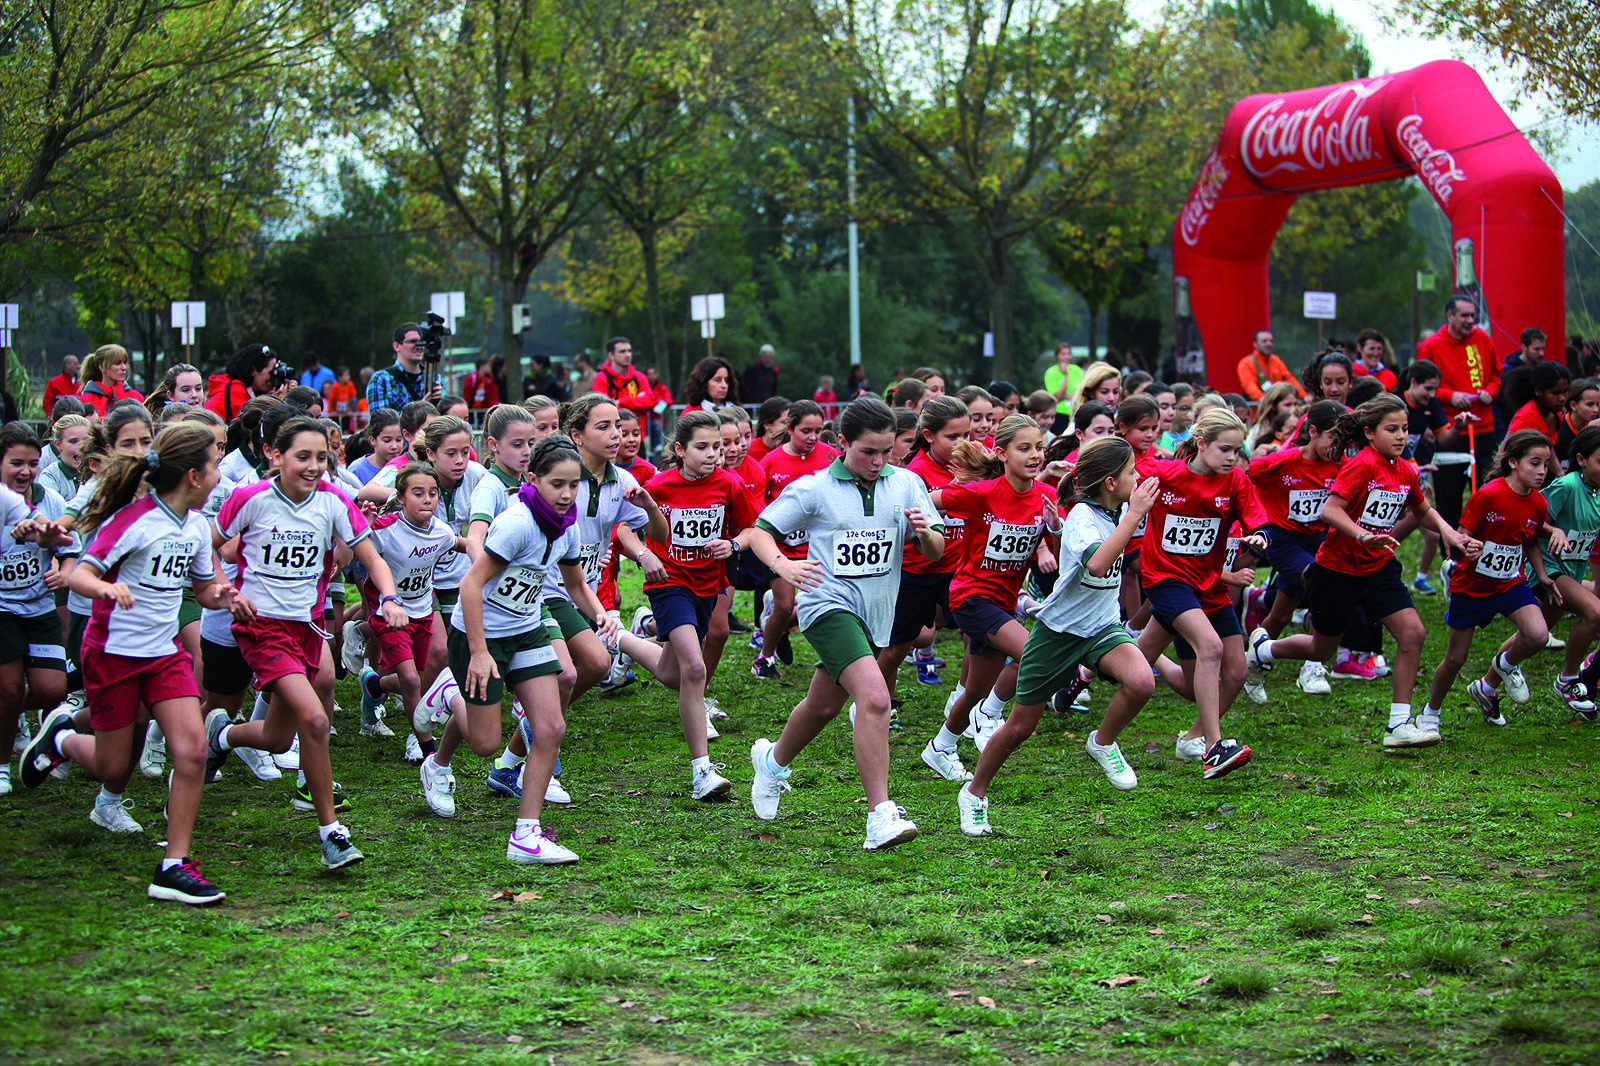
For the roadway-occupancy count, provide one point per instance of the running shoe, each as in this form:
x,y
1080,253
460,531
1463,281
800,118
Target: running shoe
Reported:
x,y
766,610
767,785
928,674
1255,608
1353,669
713,711
24,734
372,705
438,787
1575,694
1555,643
183,883
1255,656
1313,679
1254,689
507,780
153,759
1224,757
302,798
706,783
947,764
755,641
737,624
984,727
259,763
1488,703
974,811
1516,685
711,730
414,753
1301,617
1421,585
640,626
40,757
1190,749
1444,571
114,816
619,676
1073,696
5,779
785,650
288,760
531,847
1408,735
216,722
353,652
1377,664
554,793
764,667
338,852
432,710
1109,758
887,826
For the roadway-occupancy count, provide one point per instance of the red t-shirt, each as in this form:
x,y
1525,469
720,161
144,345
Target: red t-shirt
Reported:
x,y
1507,524
1144,464
1293,485
1383,374
1189,523
936,475
782,468
1528,416
1377,493
759,450
1003,528
753,476
698,513
642,471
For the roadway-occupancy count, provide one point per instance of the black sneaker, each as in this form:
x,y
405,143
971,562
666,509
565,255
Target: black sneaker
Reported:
x,y
1062,702
41,756
785,651
736,624
1224,757
216,721
764,667
183,883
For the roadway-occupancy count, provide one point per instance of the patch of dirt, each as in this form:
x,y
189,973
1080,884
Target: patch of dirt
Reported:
x,y
1303,859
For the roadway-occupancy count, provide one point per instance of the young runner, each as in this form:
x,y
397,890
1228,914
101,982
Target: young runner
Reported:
x,y
1428,429
734,424
771,427
68,436
1079,625
1583,407
383,431
1538,395
858,514
1356,569
1137,422
1574,502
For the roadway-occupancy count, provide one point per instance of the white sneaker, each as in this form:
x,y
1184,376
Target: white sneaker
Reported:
x,y
711,730
376,728
947,764
1118,772
438,788
1191,749
641,621
289,760
354,651
708,784
1555,643
617,676
887,826
413,749
433,709
5,779
554,793
24,734
1313,679
1255,650
766,786
1254,689
766,610
984,728
1429,726
153,759
1407,735
1516,685
974,813
713,711
114,817
259,763
533,849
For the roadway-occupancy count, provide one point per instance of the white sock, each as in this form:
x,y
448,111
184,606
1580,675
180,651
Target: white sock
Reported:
x,y
507,760
300,779
108,799
1566,679
259,711
527,827
1503,664
993,706
1345,655
331,828
1399,714
1493,690
167,864
1263,651
946,740
222,739
702,763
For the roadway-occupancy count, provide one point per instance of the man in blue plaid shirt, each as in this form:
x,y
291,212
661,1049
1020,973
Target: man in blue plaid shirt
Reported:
x,y
400,384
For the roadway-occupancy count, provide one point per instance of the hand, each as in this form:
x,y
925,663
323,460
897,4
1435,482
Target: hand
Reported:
x,y
803,574
1380,541
1461,399
1468,547
1239,579
720,548
606,626
1484,397
1462,419
480,668
395,615
434,394
1045,559
26,528
917,520
1144,497
1255,544
1059,470
1559,544
54,580
1551,592
639,498
239,605
1052,515
1159,452
368,509
120,593
654,569
1427,468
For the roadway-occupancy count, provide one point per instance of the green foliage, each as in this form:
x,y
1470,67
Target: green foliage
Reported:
x,y
1242,982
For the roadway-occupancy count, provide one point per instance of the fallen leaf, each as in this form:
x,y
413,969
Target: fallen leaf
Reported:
x,y
1151,746
514,1038
1177,895
1424,877
130,879
436,979
1099,818
524,897
1322,1017
324,1028
626,1004
1044,875
1119,981
613,999
1564,814
768,837
341,914
655,1018
1413,902
1423,992
1409,821
1365,919
605,840
1157,931
1198,981
1116,904
985,1001
1227,808
504,893
1506,959
1208,827
957,993
861,799
458,958
1102,917
1030,962
1330,958
1373,895
697,907
705,958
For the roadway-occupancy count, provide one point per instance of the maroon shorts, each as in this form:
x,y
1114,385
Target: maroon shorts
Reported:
x,y
116,685
276,647
395,646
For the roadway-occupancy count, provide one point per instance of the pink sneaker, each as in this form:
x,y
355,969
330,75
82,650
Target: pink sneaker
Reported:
x,y
1353,670
1255,608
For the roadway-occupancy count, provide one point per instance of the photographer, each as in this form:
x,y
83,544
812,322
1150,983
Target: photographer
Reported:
x,y
400,384
253,370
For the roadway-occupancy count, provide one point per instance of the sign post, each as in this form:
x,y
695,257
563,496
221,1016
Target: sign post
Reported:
x,y
1320,306
8,325
188,316
706,310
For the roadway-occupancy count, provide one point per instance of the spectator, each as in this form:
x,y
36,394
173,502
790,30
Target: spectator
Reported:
x,y
1007,396
1469,380
63,384
581,374
104,378
1375,358
619,379
249,373
546,382
400,384
342,397
313,375
497,371
479,388
711,384
760,381
827,397
1532,351
855,383
1261,368
1062,380
663,400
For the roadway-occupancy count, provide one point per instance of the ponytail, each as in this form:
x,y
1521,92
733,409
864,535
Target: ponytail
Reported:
x,y
182,447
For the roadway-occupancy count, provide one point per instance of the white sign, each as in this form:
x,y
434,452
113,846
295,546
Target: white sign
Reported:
x,y
706,308
448,306
988,345
708,328
8,322
1322,305
188,316
521,317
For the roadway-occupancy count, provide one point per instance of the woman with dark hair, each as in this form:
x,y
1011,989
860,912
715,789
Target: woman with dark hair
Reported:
x,y
248,373
855,384
711,384
1375,358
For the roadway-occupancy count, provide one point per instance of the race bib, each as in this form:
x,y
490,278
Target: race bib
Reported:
x,y
590,557
1112,580
1305,505
695,527
412,583
1582,544
1144,520
1183,535
1501,562
863,552
798,538
517,589
20,571
167,569
285,555
1230,554
1011,542
1384,508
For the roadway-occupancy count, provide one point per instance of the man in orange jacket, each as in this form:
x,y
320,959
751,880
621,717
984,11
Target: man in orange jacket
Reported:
x,y
1261,369
1469,380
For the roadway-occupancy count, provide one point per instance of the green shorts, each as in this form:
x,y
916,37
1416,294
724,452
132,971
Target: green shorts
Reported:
x,y
36,641
76,624
444,600
1051,659
335,596
568,619
839,638
518,658
189,608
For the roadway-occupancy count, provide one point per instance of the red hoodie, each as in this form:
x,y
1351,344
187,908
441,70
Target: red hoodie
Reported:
x,y
227,396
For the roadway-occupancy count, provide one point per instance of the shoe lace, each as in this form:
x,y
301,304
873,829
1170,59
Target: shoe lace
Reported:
x,y
191,870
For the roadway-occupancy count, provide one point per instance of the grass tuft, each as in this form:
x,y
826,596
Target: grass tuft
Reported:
x,y
1310,924
1526,1027
583,967
1448,950
1242,982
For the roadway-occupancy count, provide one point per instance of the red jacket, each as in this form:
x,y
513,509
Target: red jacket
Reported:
x,y
1465,366
629,388
220,401
57,387
102,395
480,391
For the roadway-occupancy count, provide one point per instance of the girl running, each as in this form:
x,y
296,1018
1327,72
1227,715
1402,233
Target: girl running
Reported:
x,y
858,515
1355,568
142,555
1006,515
1079,625
1328,376
546,415
771,428
1507,516
246,460
498,638
1138,421
734,424
383,431
1583,407
65,475
1428,428
285,528
1538,395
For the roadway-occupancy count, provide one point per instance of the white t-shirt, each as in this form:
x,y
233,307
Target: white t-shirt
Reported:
x,y
217,626
22,566
412,553
512,604
1082,604
157,553
284,550
455,508
600,507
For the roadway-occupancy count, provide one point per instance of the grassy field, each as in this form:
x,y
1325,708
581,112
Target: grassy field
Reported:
x,y
1331,902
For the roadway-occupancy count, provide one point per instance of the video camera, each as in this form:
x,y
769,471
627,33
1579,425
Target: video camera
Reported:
x,y
432,331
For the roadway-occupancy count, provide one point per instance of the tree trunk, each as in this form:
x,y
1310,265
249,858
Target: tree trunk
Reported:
x,y
1094,330
513,285
997,275
651,251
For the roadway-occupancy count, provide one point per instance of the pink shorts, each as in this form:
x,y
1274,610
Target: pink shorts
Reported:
x,y
116,685
276,647
395,646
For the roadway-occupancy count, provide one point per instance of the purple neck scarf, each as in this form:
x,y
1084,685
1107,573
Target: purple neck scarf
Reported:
x,y
552,523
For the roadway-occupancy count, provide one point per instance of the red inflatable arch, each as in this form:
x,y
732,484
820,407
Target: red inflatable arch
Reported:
x,y
1438,122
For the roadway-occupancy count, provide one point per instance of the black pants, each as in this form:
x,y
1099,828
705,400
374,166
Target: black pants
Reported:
x,y
1450,482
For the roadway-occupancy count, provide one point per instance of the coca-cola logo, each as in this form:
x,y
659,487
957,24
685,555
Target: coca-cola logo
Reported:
x,y
1203,199
1435,166
1327,134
